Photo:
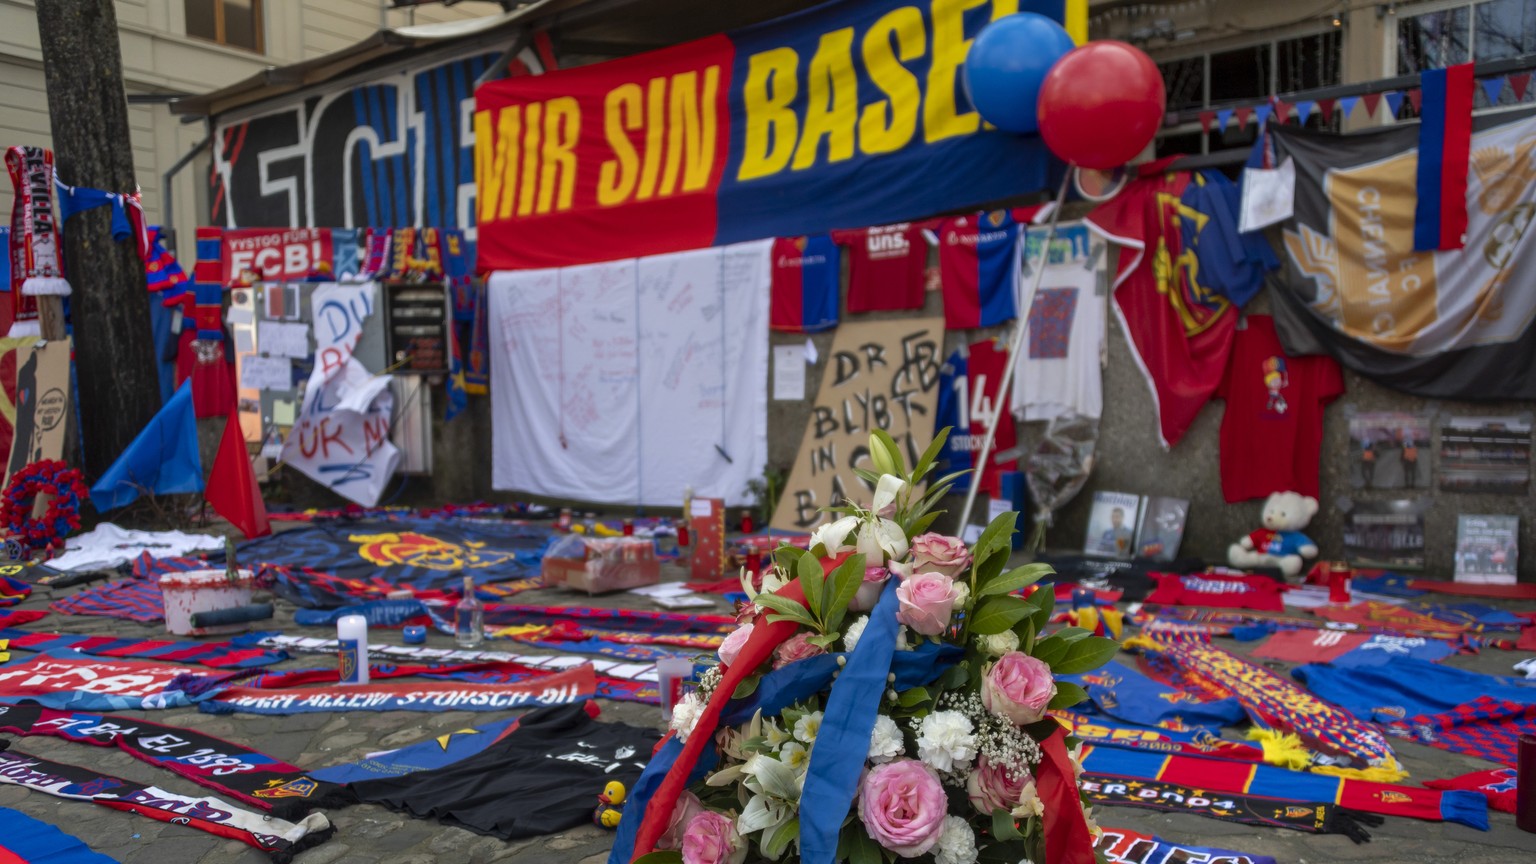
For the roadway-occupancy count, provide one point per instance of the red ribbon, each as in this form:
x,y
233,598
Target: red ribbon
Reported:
x,y
1067,839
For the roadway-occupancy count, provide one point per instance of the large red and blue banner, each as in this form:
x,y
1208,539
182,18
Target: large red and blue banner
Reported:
x,y
847,114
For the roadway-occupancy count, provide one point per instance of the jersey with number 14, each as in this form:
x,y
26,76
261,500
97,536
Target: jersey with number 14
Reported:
x,y
968,385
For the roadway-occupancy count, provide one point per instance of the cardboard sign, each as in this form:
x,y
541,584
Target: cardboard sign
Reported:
x,y
880,374
40,404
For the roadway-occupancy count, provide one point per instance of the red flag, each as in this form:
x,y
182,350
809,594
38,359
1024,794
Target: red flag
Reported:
x,y
232,485
1181,331
1242,116
1372,101
1416,99
1326,106
1205,121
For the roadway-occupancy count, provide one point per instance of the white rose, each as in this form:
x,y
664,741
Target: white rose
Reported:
x,y
998,644
946,741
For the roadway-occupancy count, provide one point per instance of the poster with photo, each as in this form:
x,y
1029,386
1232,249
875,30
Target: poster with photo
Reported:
x,y
1389,449
1112,525
1487,549
1385,534
1489,455
1161,529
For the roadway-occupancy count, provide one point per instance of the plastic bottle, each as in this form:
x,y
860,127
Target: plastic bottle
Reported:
x,y
469,617
352,633
672,673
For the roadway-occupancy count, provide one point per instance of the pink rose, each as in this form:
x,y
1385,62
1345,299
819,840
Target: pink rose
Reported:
x,y
926,602
869,592
940,554
796,647
903,806
734,643
688,806
991,787
712,839
1018,687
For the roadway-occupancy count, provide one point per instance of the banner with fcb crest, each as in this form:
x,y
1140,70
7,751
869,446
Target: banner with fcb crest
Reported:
x,y
846,114
1451,324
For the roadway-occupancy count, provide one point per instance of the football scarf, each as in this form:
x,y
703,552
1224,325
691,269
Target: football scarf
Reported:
x,y
557,688
161,269
1487,728
12,591
1124,846
1497,785
1313,818
1406,688
127,212
1276,703
56,681
1195,741
1430,620
129,599
35,263
215,655
1228,592
31,840
1126,694
1246,778
437,752
279,839
227,768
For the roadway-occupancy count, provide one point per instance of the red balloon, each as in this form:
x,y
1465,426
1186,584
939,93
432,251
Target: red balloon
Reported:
x,y
1101,104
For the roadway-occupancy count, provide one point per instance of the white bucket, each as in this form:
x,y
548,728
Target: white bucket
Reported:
x,y
202,591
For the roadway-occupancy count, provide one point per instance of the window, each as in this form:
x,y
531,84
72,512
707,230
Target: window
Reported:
x,y
1432,41
1470,32
236,23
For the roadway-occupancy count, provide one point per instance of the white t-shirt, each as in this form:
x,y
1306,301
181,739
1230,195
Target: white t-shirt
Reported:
x,y
108,546
1060,365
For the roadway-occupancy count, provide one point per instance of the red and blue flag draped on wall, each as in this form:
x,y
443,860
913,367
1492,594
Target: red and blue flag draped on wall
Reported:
x,y
1445,150
846,114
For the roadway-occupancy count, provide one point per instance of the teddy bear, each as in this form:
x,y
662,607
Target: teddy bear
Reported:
x,y
1280,542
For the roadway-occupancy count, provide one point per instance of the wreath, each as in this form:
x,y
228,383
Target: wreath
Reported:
x,y
52,477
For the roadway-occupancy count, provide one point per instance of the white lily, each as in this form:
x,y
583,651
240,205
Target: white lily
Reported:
x,y
833,536
881,540
763,814
769,776
886,491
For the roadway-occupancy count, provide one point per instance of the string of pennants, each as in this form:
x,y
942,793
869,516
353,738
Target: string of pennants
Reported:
x,y
1302,110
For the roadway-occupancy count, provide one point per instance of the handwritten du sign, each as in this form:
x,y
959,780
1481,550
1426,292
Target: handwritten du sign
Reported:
x,y
881,374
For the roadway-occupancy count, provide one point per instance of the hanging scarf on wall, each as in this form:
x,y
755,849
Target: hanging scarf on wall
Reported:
x,y
1276,703
215,655
1313,817
36,267
225,767
1222,775
278,838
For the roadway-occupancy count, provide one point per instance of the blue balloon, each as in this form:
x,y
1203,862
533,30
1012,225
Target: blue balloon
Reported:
x,y
1006,65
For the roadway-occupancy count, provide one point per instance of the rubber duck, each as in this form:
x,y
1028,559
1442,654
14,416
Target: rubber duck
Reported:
x,y
610,807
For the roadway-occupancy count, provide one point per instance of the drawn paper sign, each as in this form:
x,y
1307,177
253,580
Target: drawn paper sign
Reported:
x,y
341,438
263,255
880,374
40,403
339,312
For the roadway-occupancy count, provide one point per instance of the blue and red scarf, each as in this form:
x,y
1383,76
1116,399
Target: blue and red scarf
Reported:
x,y
215,655
31,840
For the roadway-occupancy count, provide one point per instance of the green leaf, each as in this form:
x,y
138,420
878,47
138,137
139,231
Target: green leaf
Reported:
x,y
824,641
1067,695
1015,579
1051,650
991,568
912,698
787,609
893,448
808,571
954,677
1086,655
925,462
667,856
786,556
867,476
840,590
1043,603
1003,827
861,848
997,614
922,524
997,537
776,841
747,687
1026,631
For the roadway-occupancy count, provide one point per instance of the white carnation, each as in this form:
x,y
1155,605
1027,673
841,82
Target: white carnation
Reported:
x,y
854,631
885,741
808,727
946,741
998,644
957,843
686,714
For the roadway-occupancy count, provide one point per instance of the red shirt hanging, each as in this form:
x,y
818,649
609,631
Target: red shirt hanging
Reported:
x,y
886,267
1272,430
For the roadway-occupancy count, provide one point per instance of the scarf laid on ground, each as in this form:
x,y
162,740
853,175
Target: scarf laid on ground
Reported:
x,y
215,655
129,599
1277,704
1497,785
1124,846
36,266
32,840
223,766
12,591
1418,618
1126,694
1198,741
1217,622
554,688
1313,818
279,839
1296,787
1407,688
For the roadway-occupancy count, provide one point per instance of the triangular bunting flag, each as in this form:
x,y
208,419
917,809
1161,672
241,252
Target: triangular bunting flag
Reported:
x,y
1372,102
1518,83
1304,111
1243,114
1261,114
232,488
1394,102
1223,117
1326,107
1416,99
1282,111
1492,87
1347,106
1205,121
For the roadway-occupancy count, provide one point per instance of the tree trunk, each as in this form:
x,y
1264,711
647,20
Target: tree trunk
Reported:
x,y
88,111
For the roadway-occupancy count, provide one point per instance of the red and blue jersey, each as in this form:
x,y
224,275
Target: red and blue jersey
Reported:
x,y
968,398
807,272
979,269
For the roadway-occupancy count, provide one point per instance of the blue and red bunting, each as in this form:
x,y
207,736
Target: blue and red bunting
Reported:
x,y
27,840
1445,149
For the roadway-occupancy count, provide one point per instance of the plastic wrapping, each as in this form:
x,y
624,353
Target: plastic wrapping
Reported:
x,y
1059,467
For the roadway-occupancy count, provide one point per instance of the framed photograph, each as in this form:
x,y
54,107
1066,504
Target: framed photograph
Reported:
x,y
1389,449
1385,534
1112,525
1487,455
1161,528
1487,549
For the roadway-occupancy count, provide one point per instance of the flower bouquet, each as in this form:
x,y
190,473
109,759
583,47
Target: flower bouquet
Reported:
x,y
884,697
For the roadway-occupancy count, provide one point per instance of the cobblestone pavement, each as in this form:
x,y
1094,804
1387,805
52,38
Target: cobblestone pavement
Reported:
x,y
369,834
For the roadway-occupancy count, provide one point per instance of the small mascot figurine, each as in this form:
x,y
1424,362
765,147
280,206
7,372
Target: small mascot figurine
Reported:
x,y
610,807
1280,542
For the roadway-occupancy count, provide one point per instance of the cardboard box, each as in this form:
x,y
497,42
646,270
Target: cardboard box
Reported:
x,y
706,524
598,565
